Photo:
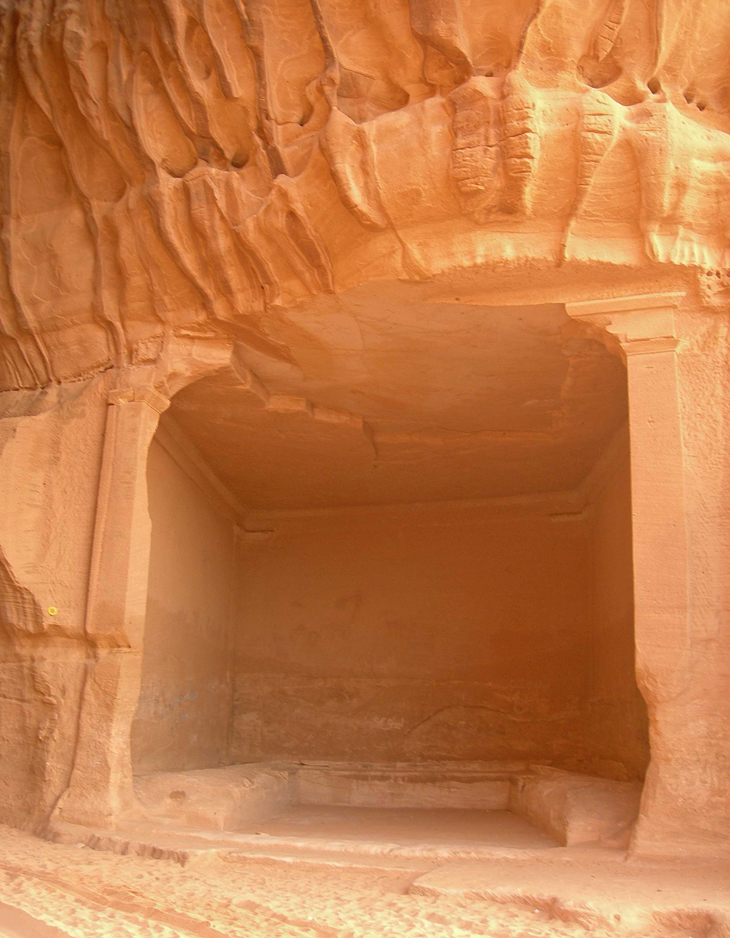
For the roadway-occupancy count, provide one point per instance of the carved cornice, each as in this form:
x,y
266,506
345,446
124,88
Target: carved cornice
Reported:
x,y
642,324
145,395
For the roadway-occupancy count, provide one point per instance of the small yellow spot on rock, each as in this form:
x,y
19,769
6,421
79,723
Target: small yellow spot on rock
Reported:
x,y
52,611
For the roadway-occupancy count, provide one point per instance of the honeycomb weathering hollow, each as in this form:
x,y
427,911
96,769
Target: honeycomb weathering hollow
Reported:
x,y
188,167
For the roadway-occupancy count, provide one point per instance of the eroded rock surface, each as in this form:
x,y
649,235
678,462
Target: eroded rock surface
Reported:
x,y
194,167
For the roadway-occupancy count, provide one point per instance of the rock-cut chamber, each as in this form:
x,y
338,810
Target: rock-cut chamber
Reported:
x,y
407,540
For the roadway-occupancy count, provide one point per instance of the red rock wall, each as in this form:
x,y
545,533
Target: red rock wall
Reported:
x,y
416,633
183,716
617,725
258,154
49,475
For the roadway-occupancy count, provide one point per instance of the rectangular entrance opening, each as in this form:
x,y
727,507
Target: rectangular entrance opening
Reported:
x,y
349,616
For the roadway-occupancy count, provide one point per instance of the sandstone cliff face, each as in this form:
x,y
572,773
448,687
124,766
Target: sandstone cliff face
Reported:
x,y
188,166
359,221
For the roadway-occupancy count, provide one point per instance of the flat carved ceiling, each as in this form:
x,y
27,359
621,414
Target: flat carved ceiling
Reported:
x,y
386,398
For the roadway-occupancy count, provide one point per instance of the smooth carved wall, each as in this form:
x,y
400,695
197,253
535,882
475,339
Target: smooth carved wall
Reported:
x,y
184,712
439,632
617,728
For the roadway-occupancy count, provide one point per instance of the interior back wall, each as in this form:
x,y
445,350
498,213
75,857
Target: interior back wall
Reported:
x,y
437,632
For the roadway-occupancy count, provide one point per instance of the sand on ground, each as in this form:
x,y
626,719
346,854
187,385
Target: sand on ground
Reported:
x,y
52,891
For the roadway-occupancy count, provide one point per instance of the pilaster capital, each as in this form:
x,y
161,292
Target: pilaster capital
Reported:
x,y
642,324
146,395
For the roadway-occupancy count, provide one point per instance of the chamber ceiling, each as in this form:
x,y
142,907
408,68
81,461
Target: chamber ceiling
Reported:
x,y
380,397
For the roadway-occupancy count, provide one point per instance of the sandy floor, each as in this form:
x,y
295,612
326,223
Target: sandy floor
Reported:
x,y
52,891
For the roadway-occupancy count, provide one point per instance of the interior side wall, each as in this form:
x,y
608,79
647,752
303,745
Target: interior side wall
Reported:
x,y
618,725
423,633
184,712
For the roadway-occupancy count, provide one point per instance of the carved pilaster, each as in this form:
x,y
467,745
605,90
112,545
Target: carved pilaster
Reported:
x,y
680,588
100,790
646,330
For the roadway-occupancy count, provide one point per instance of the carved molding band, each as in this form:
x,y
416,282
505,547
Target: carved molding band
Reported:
x,y
149,396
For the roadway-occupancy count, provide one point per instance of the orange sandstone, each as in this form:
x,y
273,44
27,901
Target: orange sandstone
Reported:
x,y
364,411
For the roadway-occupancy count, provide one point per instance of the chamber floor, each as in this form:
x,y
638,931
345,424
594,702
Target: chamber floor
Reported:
x,y
407,826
